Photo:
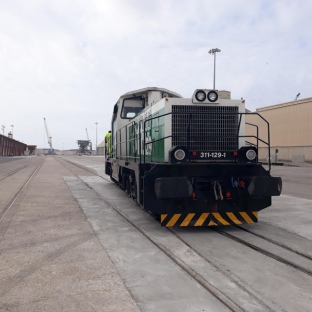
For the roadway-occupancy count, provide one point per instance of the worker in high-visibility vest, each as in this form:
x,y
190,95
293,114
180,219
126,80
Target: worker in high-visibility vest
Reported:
x,y
108,142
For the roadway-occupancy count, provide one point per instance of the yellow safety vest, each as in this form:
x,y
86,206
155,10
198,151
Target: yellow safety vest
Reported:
x,y
108,141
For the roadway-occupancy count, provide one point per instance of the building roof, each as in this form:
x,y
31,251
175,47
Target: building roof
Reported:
x,y
139,91
277,106
102,144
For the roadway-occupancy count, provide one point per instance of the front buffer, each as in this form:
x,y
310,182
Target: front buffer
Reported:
x,y
208,195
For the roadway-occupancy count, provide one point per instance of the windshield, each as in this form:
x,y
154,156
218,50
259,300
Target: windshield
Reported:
x,y
132,107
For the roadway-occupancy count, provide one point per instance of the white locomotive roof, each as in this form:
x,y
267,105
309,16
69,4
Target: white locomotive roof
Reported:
x,y
140,91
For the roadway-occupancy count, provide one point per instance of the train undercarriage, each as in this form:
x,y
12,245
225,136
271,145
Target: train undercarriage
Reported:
x,y
200,194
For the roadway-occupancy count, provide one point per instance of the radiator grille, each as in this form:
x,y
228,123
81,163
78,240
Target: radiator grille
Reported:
x,y
205,128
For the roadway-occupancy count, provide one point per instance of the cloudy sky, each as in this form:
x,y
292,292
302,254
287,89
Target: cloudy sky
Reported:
x,y
69,60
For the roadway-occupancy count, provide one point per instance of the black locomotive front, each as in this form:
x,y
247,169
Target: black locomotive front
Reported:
x,y
209,179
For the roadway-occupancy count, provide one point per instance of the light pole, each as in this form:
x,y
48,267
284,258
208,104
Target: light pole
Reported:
x,y
96,138
214,51
3,127
12,130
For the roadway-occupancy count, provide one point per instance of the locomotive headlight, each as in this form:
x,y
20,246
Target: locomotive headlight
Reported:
x,y
179,154
251,154
200,96
212,96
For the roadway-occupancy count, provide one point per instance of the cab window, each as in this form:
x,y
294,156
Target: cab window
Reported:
x,y
131,107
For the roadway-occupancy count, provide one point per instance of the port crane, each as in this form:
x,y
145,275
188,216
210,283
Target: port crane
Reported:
x,y
85,146
90,143
51,151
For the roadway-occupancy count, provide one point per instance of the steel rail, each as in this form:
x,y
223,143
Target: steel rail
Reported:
x,y
230,277
266,252
92,171
17,196
275,242
9,206
13,172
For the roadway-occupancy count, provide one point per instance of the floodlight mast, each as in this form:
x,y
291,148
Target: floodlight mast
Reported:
x,y
90,143
214,51
48,136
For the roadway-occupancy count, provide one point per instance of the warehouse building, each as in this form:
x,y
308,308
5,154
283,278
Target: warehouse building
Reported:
x,y
11,147
290,130
100,149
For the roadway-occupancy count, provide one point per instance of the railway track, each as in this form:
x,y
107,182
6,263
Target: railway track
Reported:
x,y
292,253
92,171
200,279
274,249
5,176
300,261
6,215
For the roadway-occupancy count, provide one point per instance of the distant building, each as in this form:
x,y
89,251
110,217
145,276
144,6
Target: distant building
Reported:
x,y
290,130
44,151
100,149
11,147
31,150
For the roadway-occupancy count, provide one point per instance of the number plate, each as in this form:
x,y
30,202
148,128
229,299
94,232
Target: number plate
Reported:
x,y
206,155
215,155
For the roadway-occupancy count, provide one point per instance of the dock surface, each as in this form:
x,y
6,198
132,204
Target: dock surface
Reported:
x,y
71,240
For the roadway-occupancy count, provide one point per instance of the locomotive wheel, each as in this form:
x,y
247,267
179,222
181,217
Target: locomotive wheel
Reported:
x,y
133,187
128,186
111,173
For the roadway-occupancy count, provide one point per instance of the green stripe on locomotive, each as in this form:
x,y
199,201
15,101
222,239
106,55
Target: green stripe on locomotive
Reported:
x,y
154,137
157,134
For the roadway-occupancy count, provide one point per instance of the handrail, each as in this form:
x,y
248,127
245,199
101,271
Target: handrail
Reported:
x,y
247,123
141,125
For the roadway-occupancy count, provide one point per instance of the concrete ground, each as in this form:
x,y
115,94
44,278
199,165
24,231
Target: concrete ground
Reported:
x,y
50,257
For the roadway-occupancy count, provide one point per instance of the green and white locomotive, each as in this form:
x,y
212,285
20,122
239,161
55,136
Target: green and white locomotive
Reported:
x,y
188,161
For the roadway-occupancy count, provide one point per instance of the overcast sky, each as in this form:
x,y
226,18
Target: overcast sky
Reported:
x,y
69,60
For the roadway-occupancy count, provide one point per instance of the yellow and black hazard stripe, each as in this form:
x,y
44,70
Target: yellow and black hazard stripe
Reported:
x,y
208,219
